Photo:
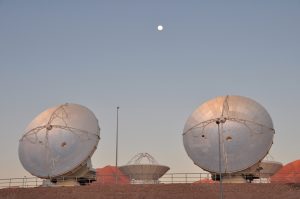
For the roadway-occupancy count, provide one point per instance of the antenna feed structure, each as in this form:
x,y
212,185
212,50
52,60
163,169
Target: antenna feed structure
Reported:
x,y
221,120
49,127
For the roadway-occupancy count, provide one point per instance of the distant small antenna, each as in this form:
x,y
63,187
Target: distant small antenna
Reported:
x,y
144,169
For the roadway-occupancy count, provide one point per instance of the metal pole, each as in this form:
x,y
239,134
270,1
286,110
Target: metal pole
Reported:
x,y
220,164
117,142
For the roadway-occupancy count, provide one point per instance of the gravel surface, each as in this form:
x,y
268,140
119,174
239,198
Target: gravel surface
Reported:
x,y
161,191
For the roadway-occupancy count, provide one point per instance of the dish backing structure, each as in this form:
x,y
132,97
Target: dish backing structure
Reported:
x,y
144,169
58,144
228,136
268,168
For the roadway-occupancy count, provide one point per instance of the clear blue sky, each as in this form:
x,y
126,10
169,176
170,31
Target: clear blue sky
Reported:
x,y
104,54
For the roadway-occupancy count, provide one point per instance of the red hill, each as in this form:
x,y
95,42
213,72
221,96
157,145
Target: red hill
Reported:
x,y
289,173
108,174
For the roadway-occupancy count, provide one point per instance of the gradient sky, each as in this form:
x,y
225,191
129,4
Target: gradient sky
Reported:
x,y
104,54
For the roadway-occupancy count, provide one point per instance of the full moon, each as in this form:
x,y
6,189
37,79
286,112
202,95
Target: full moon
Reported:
x,y
160,28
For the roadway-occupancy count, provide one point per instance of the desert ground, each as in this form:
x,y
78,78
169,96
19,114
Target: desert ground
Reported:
x,y
159,191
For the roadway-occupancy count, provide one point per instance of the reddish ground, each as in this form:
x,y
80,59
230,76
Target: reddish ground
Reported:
x,y
290,173
205,180
161,191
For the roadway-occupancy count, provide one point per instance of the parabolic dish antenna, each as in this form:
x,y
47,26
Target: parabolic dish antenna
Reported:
x,y
228,134
58,141
144,169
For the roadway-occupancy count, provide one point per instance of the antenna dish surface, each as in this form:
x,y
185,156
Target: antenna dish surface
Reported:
x,y
144,167
246,134
59,140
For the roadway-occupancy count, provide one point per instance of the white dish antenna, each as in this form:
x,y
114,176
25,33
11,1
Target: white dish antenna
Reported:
x,y
144,169
228,134
59,141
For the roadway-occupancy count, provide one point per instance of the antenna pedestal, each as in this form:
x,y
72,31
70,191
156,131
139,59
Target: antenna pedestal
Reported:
x,y
83,174
227,178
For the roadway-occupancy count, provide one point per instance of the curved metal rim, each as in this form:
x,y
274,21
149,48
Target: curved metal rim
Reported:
x,y
271,162
148,165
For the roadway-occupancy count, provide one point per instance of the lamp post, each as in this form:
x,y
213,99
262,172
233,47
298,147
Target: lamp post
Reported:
x,y
221,121
117,140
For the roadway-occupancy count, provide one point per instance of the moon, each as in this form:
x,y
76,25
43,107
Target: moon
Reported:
x,y
160,27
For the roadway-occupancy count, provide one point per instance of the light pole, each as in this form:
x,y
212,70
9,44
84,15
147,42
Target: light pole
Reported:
x,y
117,140
220,134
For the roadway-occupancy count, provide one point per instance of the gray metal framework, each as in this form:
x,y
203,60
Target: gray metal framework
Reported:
x,y
138,158
168,178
